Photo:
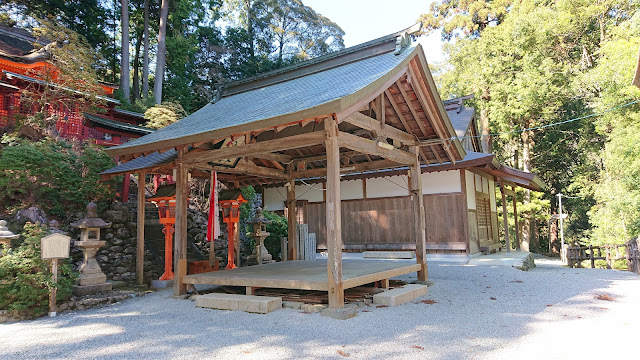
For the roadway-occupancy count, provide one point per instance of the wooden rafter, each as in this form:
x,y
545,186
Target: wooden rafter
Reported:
x,y
367,146
396,108
371,124
258,148
407,100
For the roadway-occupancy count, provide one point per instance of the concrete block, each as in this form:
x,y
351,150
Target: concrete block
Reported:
x,y
248,303
161,284
340,313
400,295
312,308
388,254
295,305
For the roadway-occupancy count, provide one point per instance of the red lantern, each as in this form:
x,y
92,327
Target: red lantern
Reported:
x,y
165,200
230,201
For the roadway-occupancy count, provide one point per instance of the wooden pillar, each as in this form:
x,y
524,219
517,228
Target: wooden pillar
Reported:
x,y
125,187
291,217
140,226
505,220
515,217
419,219
180,247
333,209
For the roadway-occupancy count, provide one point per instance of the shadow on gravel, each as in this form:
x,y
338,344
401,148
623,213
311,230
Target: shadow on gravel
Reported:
x,y
473,311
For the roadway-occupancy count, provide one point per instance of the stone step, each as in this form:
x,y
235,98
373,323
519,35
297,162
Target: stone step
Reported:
x,y
400,295
248,303
388,254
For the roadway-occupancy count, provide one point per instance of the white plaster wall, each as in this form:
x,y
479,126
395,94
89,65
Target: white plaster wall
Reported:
x,y
311,192
441,182
351,189
478,180
492,195
389,186
470,189
485,185
274,198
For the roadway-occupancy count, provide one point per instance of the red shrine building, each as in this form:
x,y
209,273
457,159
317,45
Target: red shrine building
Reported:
x,y
21,61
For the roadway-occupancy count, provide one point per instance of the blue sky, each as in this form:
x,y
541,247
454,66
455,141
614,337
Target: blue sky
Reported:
x,y
364,20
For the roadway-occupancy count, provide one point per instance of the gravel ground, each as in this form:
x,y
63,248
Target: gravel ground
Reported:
x,y
479,312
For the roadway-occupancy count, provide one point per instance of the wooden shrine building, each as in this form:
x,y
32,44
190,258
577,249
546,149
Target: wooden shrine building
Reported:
x,y
368,108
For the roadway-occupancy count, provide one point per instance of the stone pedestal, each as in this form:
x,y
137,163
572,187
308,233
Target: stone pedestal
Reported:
x,y
91,279
266,257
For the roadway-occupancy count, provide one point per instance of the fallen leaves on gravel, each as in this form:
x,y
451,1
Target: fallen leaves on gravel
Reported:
x,y
417,347
381,306
605,297
342,353
492,298
517,281
428,301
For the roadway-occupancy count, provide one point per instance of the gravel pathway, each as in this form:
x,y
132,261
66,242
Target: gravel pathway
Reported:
x,y
480,312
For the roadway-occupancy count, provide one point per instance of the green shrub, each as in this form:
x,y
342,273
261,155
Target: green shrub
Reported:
x,y
25,278
278,228
56,175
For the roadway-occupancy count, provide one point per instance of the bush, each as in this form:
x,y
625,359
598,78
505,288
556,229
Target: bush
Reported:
x,y
56,175
25,278
278,228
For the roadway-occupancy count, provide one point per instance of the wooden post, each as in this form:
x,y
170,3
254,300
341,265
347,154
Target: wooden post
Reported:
x,y
515,217
505,220
140,226
333,209
125,187
419,220
180,247
593,260
291,217
54,291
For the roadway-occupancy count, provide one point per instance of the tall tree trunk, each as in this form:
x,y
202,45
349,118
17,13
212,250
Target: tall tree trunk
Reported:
x,y
114,58
525,236
136,68
484,122
251,35
162,49
124,59
554,243
145,55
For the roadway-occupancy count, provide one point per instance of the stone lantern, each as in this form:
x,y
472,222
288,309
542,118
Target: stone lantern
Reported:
x,y
91,279
6,236
259,233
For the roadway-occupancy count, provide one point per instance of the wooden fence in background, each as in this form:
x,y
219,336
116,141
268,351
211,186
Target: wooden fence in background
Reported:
x,y
630,252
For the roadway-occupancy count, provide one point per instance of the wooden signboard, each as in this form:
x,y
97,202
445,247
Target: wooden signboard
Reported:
x,y
55,246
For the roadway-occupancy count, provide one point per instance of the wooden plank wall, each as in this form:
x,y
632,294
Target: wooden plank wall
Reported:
x,y
374,223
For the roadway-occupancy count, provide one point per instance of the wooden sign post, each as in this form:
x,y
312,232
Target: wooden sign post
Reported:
x,y
54,247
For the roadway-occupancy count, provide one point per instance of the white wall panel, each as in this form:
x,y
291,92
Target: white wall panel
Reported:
x,y
470,189
389,186
492,194
441,182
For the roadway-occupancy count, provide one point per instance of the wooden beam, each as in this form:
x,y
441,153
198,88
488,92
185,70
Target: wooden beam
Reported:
x,y
258,148
283,158
140,228
505,221
371,147
180,247
245,168
368,166
333,216
371,124
419,219
292,231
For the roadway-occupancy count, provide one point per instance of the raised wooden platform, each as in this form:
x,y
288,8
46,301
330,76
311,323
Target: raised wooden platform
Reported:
x,y
304,275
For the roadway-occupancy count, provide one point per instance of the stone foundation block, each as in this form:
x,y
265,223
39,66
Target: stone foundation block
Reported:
x,y
82,290
248,303
340,313
388,254
312,308
161,284
400,295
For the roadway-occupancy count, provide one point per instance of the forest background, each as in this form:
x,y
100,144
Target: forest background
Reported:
x,y
552,81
